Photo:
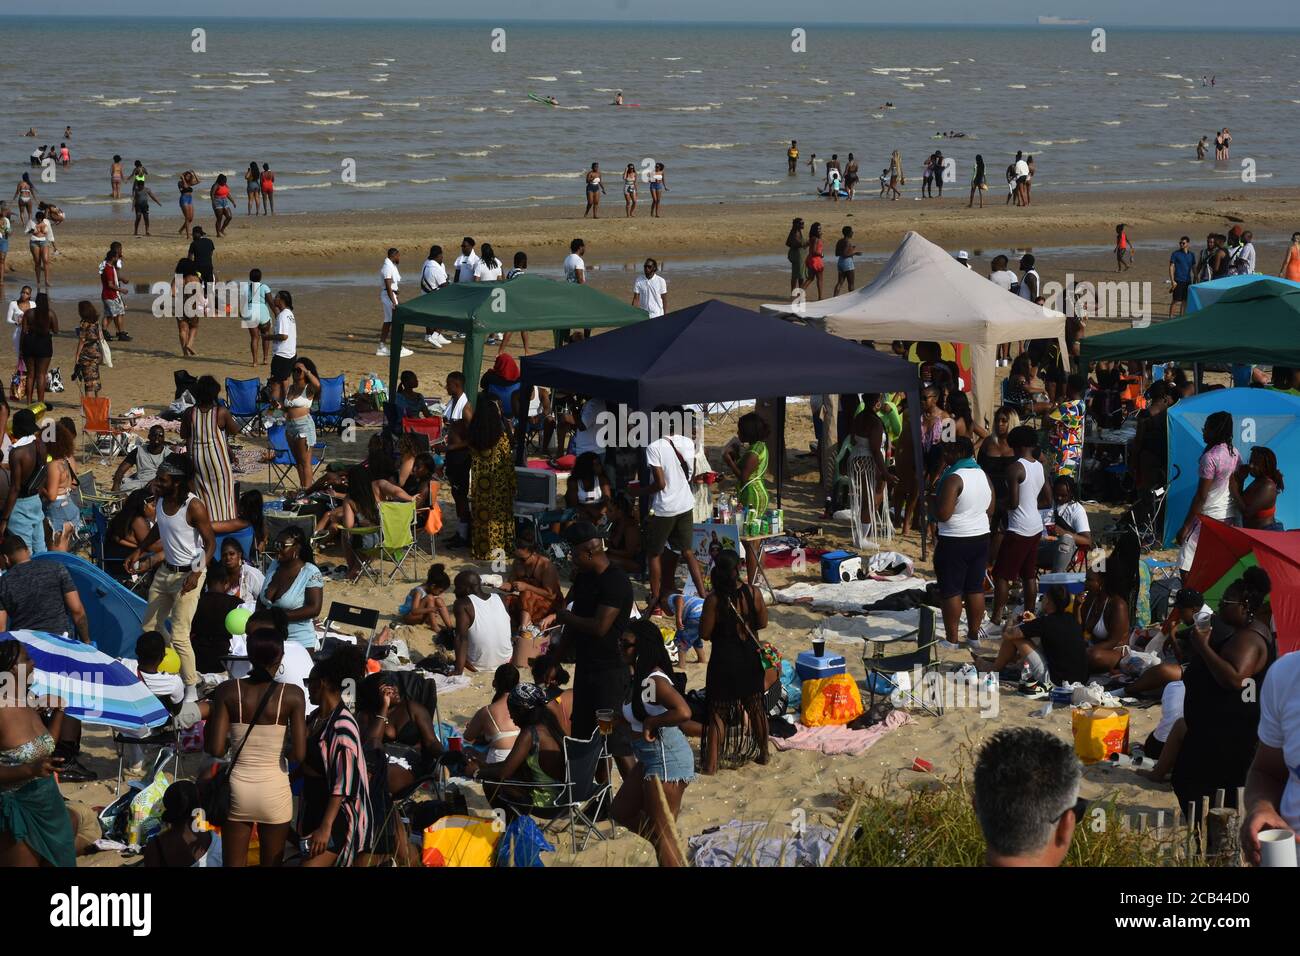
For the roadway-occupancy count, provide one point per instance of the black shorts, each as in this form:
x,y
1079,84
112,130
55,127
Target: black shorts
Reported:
x,y
1180,291
281,368
600,689
677,530
457,470
960,563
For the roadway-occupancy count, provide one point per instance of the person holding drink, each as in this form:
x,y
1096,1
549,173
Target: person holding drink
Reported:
x,y
1272,791
537,755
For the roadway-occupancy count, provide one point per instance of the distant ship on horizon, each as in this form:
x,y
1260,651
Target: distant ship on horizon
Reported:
x,y
1063,21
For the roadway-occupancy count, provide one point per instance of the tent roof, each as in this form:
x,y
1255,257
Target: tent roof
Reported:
x,y
923,293
524,304
715,352
1222,546
1255,322
1204,294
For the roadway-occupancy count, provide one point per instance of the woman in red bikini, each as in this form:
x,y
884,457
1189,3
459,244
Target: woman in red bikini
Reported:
x,y
815,263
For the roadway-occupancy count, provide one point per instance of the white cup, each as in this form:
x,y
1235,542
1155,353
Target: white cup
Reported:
x,y
1277,848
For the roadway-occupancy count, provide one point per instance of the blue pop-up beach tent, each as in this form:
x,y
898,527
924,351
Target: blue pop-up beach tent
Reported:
x,y
1260,416
114,614
1202,295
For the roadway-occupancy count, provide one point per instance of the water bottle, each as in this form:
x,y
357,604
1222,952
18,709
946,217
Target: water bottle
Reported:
x,y
1136,753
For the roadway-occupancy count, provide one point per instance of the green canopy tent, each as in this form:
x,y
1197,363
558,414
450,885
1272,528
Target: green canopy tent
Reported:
x,y
526,304
1255,323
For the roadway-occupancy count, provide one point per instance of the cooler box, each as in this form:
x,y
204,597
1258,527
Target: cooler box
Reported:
x,y
841,566
809,666
1072,581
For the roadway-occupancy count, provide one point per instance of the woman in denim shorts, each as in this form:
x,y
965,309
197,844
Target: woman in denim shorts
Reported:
x,y
656,714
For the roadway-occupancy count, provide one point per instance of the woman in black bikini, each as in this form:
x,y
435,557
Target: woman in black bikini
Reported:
x,y
39,326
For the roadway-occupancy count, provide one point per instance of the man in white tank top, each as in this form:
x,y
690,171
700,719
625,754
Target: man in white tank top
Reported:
x,y
185,531
483,641
1017,558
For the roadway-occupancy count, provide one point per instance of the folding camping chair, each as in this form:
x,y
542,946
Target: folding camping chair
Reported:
x,y
363,617
882,669
243,404
167,737
245,537
395,539
580,799
277,522
329,405
431,428
91,496
106,439
280,467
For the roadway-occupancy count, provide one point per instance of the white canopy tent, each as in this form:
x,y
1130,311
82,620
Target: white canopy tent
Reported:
x,y
924,294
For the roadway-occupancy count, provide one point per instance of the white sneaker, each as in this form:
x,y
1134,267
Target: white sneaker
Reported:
x,y
382,350
405,352
949,645
434,340
442,339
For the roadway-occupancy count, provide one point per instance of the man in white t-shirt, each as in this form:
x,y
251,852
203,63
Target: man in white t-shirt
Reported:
x,y
1001,276
284,350
575,269
432,278
650,291
586,436
466,262
389,280
1273,783
672,519
483,641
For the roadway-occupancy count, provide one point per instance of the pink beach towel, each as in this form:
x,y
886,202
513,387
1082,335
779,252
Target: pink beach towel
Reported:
x,y
840,740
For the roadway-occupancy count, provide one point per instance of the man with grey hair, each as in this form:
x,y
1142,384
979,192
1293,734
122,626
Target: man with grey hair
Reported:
x,y
1026,797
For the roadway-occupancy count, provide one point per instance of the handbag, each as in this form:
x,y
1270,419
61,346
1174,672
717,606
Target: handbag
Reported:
x,y
216,803
107,361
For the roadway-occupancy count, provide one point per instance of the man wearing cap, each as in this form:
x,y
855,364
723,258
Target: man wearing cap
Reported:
x,y
964,258
185,531
595,616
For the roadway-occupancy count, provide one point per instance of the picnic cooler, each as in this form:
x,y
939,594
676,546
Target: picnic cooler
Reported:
x,y
840,566
1099,732
1072,581
811,667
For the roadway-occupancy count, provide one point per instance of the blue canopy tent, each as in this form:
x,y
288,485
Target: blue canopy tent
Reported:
x,y
114,614
1202,295
1260,416
716,352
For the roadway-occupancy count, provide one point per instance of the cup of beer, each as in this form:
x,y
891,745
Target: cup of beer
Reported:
x,y
819,646
455,744
605,720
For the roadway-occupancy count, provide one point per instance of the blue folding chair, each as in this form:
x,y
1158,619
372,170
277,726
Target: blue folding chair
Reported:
x,y
246,538
282,465
329,411
244,407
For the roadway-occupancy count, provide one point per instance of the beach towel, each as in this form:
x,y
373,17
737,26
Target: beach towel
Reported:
x,y
844,596
740,843
448,684
837,740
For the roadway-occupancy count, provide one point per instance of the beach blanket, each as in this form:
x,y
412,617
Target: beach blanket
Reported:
x,y
741,843
448,684
846,596
877,624
836,740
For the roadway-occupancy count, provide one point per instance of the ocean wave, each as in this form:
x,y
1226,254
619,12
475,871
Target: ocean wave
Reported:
x,y
473,153
928,69
356,96
766,182
329,94
1156,106
424,182
1040,107
1016,86
574,72
228,86
476,109
500,109
160,92
280,188
711,145
543,79
304,71
123,101
412,105
260,82
1111,122
940,80
310,172
913,86
333,122
573,107
690,109
822,82
369,184
577,175
1178,145
886,70
372,115
237,73
670,58
419,155
603,89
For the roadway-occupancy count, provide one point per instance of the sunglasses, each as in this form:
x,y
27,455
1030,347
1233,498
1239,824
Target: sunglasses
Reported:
x,y
1079,808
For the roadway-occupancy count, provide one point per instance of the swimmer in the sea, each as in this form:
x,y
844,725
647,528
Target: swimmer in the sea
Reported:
x,y
618,98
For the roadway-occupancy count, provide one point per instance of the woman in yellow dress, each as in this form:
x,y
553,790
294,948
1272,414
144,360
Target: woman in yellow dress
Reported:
x,y
492,483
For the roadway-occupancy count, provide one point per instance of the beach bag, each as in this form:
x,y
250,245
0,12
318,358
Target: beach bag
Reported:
x,y
107,360
1099,732
830,701
145,814
216,801
460,841
433,522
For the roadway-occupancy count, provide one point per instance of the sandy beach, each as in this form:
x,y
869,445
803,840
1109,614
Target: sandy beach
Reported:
x,y
338,319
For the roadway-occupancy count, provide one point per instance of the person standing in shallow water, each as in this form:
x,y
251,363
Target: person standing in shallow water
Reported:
x,y
594,192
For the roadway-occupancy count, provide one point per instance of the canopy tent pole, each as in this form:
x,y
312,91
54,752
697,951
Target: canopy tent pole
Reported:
x,y
780,458
395,352
918,462
472,366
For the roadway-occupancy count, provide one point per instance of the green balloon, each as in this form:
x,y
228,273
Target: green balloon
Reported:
x,y
237,621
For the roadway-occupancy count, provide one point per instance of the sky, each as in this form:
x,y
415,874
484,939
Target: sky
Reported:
x,y
1118,13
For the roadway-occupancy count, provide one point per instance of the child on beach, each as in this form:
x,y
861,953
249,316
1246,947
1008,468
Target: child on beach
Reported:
x,y
1123,249
884,182
687,609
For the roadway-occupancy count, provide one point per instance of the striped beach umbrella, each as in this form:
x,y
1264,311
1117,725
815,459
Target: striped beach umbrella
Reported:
x,y
95,688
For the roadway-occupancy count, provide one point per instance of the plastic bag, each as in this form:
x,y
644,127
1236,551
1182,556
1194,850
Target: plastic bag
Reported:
x,y
1099,732
522,844
830,700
